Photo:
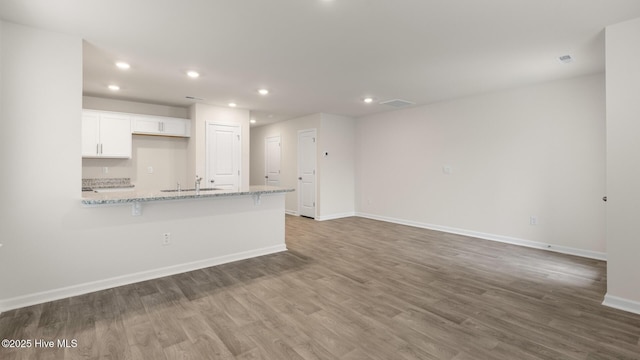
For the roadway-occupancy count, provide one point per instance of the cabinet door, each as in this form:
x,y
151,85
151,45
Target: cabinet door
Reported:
x,y
90,134
146,125
115,135
160,125
176,127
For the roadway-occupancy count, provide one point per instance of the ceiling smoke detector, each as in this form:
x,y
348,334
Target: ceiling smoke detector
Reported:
x,y
397,103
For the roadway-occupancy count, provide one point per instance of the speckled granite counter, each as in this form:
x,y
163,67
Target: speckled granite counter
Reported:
x,y
124,197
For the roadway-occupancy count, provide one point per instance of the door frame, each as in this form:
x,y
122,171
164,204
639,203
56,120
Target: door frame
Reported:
x,y
315,175
206,147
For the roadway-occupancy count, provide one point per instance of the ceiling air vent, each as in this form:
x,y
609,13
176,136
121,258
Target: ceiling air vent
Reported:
x,y
397,103
565,59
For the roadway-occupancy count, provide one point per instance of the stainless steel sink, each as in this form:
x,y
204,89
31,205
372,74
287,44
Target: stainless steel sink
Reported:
x,y
202,189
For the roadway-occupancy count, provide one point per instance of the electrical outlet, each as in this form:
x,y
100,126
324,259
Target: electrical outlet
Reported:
x,y
136,208
533,220
166,239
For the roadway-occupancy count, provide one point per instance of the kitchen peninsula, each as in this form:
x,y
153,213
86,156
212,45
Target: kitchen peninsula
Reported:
x,y
177,231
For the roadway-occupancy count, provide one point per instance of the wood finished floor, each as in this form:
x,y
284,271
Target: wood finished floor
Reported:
x,y
348,289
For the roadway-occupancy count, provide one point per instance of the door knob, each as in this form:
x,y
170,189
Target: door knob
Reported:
x,y
604,198
212,181
266,176
300,178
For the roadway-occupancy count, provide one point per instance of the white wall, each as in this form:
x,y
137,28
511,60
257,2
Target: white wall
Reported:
x,y
200,114
335,174
1,71
168,156
133,107
535,151
288,132
52,246
336,187
623,165
40,156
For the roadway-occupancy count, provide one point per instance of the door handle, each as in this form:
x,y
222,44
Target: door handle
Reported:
x,y
212,181
266,176
300,178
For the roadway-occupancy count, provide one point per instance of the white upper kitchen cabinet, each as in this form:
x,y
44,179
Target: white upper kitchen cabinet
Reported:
x,y
106,134
160,125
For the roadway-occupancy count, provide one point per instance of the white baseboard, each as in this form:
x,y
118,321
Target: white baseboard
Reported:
x,y
291,212
621,304
56,294
500,238
335,216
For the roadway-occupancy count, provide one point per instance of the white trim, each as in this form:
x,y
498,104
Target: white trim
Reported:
x,y
61,293
291,212
335,216
621,304
493,237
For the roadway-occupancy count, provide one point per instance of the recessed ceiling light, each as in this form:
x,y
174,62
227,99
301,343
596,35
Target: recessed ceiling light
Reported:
x,y
231,104
114,87
253,121
263,91
193,74
123,65
368,100
565,58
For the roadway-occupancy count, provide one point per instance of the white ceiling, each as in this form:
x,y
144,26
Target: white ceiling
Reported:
x,y
325,55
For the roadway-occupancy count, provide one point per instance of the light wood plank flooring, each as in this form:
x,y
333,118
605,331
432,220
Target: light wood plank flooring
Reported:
x,y
348,289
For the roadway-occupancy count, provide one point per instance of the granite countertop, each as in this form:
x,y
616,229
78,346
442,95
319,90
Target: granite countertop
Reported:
x,y
123,197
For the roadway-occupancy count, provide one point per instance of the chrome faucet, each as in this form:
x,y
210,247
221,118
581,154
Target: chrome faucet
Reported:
x,y
198,179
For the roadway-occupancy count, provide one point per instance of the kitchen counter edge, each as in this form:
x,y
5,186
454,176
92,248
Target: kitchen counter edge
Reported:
x,y
146,196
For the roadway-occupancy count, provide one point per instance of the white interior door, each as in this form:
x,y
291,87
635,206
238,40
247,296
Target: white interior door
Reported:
x,y
307,173
272,161
223,147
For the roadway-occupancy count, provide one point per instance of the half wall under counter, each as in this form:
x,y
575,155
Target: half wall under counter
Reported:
x,y
175,233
